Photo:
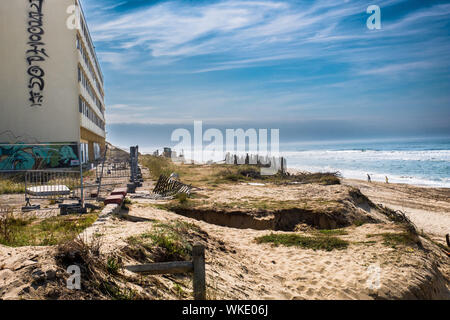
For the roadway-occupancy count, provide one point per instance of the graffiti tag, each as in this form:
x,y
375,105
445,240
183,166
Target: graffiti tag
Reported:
x,y
35,53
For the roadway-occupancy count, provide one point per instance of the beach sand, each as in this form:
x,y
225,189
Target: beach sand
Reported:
x,y
238,267
428,208
244,269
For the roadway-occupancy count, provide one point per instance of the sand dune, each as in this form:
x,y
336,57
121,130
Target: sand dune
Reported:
x,y
428,208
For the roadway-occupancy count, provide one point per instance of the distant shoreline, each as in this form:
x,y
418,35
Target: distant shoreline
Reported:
x,y
374,182
380,181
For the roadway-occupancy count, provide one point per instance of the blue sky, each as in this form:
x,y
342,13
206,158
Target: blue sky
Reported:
x,y
310,68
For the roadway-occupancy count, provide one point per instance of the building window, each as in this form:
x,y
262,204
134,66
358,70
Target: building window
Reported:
x,y
84,152
82,78
96,151
90,114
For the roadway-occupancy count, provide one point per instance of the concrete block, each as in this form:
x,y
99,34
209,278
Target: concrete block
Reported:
x,y
117,191
114,199
131,187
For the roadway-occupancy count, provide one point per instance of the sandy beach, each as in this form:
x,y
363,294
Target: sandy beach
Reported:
x,y
428,208
228,218
238,267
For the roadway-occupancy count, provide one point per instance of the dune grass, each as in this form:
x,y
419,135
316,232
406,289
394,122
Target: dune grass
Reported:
x,y
333,232
167,241
323,242
17,232
8,186
216,174
396,239
158,165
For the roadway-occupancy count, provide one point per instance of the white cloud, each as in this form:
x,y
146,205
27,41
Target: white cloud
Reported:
x,y
331,50
175,29
252,31
398,68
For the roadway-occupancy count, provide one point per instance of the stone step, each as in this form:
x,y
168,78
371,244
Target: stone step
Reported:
x,y
114,199
117,191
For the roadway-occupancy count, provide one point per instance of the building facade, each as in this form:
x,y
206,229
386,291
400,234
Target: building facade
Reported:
x,y
51,83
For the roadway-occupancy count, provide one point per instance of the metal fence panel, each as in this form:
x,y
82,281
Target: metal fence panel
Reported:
x,y
52,185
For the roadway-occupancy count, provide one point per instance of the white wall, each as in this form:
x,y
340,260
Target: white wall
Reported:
x,y
58,119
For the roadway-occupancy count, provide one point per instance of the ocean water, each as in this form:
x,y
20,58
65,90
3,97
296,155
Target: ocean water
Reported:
x,y
423,162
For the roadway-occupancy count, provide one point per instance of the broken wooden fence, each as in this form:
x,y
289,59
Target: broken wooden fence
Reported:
x,y
167,186
278,164
197,266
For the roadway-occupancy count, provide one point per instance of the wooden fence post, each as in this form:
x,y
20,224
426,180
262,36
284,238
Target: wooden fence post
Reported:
x,y
198,254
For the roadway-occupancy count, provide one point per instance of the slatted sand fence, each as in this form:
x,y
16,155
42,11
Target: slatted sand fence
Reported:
x,y
167,186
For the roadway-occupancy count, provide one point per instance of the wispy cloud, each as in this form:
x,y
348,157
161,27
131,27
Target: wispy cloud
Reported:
x,y
172,61
399,68
177,29
251,31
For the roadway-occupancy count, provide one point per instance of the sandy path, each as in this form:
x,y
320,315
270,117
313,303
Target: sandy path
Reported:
x,y
428,208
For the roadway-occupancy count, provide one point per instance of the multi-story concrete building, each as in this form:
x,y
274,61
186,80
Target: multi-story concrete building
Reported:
x,y
51,84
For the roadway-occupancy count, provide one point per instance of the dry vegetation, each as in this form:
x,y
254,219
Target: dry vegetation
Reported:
x,y
317,242
165,242
100,275
104,276
11,183
217,174
16,232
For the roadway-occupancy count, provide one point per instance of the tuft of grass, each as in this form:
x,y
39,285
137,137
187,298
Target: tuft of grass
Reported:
x,y
158,165
182,198
126,202
8,186
78,251
17,232
333,232
179,290
227,175
174,248
326,243
324,178
359,223
84,254
113,265
395,239
112,290
168,241
9,226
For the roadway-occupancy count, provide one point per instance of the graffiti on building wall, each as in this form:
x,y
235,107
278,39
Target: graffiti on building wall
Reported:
x,y
36,52
33,157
